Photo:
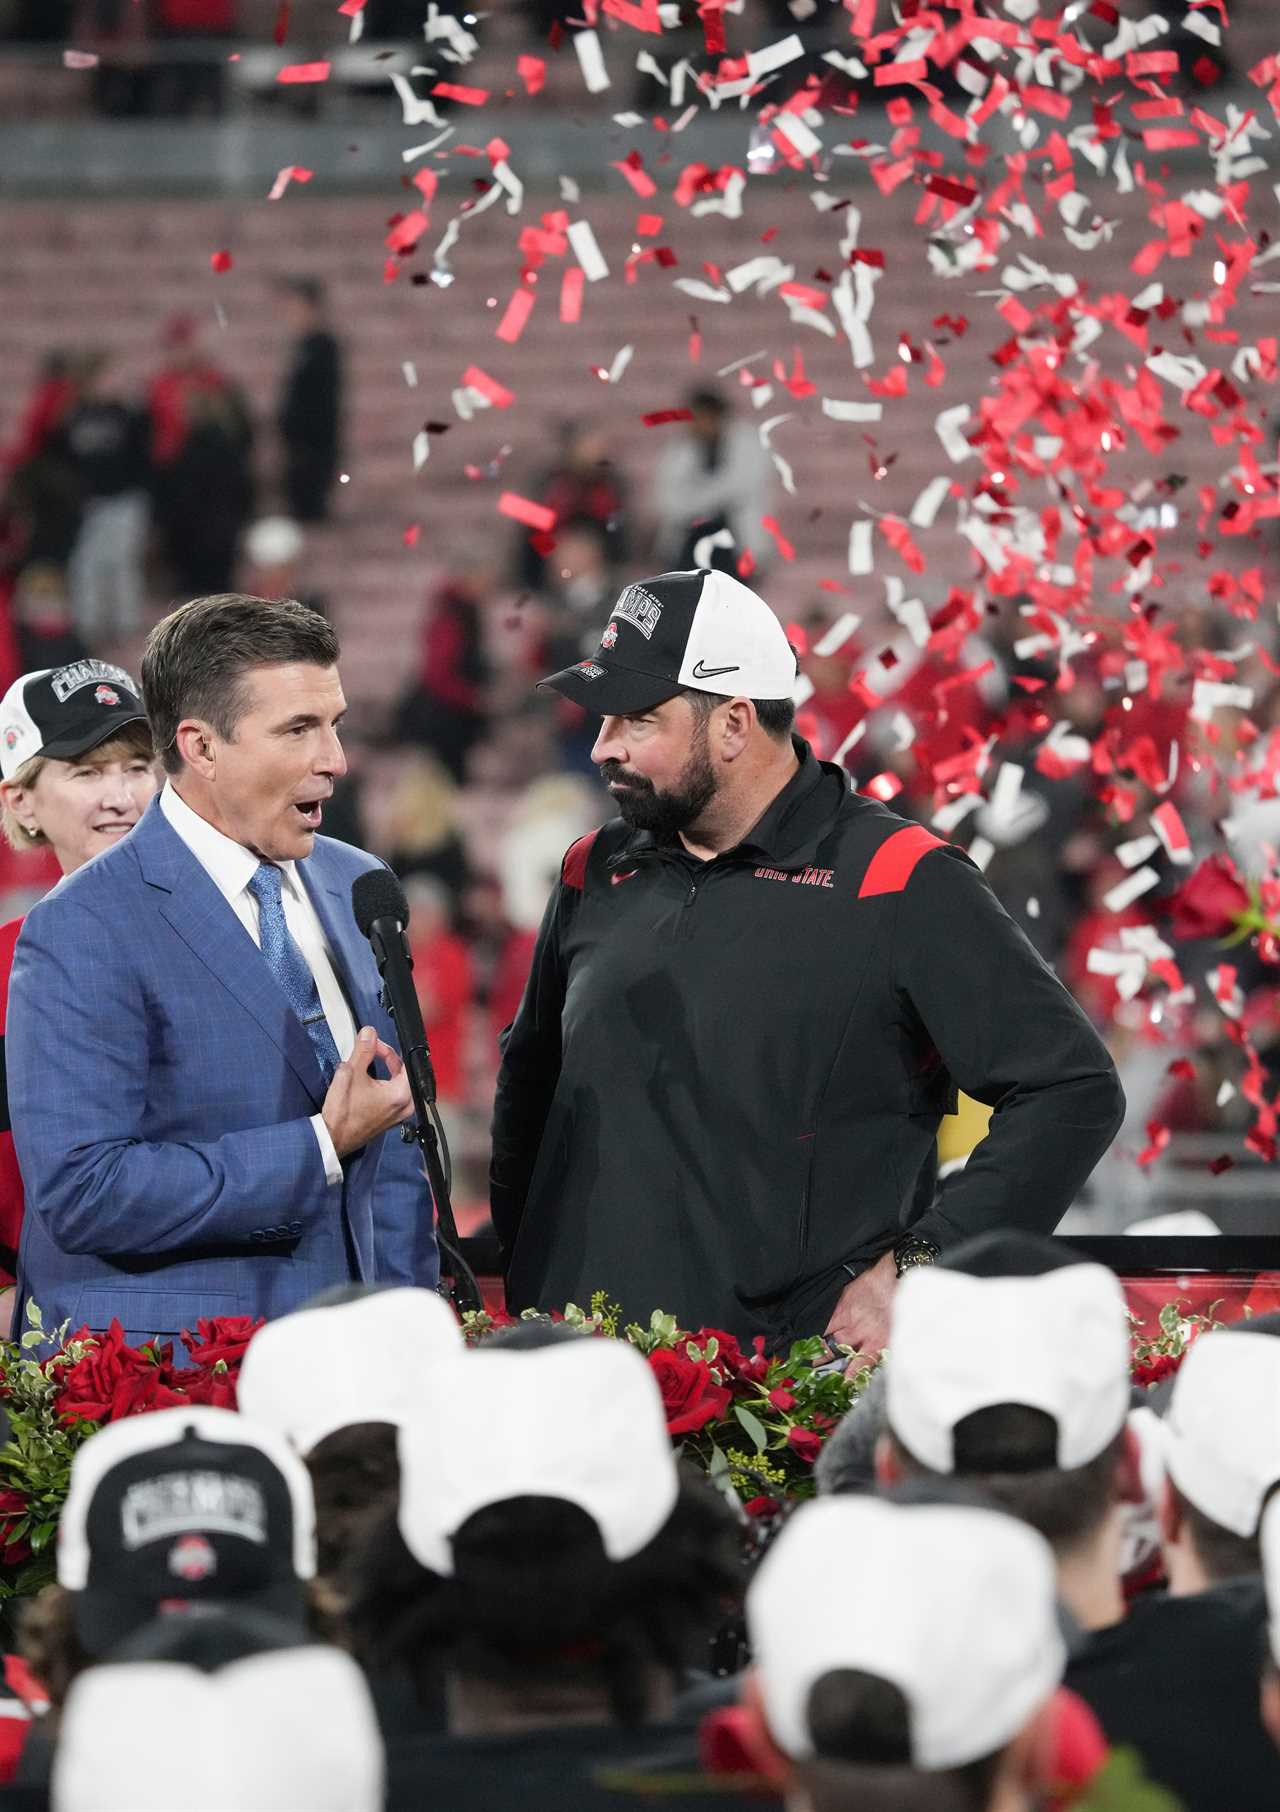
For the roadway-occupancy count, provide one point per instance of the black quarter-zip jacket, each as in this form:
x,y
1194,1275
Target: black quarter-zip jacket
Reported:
x,y
723,1083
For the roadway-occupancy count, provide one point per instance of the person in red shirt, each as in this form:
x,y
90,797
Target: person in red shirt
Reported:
x,y
76,774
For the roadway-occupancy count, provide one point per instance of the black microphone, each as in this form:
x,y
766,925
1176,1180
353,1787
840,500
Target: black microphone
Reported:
x,y
382,913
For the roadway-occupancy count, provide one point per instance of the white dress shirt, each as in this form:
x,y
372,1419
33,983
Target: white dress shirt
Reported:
x,y
230,866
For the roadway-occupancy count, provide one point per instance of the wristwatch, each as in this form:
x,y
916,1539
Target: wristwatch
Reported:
x,y
911,1250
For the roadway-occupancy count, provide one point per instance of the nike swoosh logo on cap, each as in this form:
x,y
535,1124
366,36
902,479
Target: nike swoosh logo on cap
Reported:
x,y
701,672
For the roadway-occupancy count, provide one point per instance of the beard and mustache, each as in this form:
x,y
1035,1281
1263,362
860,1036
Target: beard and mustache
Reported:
x,y
666,813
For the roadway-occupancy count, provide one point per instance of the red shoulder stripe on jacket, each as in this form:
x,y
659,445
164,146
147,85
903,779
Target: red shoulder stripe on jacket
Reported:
x,y
891,867
573,870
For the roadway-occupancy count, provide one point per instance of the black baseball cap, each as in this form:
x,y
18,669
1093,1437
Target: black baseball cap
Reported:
x,y
184,1510
703,629
63,712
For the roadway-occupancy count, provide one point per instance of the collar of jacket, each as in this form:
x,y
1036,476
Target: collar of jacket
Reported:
x,y
787,832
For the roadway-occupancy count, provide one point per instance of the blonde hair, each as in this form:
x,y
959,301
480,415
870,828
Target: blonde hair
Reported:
x,y
130,743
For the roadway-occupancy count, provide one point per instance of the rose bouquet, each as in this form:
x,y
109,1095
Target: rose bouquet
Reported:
x,y
756,1424
56,1403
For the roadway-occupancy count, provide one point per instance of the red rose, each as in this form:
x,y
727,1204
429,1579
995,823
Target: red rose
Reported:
x,y
1209,901
221,1337
690,1395
1162,1366
762,1507
13,1506
805,1443
781,1398
107,1381
729,1357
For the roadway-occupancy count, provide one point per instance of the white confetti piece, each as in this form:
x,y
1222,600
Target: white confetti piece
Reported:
x,y
803,691
416,112
1137,850
701,292
1182,371
421,449
586,250
840,411
1208,696
703,548
948,427
860,560
621,360
926,506
1226,1092
955,811
903,732
444,26
782,466
1125,892
804,142
764,272
981,851
591,61
774,56
835,638
854,737
431,144
410,371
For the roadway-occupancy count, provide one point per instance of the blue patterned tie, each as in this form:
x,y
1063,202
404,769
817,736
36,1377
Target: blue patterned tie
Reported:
x,y
289,966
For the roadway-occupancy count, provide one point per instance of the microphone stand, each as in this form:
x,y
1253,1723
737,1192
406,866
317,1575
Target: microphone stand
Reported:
x,y
416,1055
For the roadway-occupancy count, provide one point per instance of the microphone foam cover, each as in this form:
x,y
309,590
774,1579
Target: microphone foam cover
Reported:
x,y
377,894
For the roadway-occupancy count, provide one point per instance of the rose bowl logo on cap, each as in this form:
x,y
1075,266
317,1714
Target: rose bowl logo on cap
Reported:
x,y
192,1558
106,695
610,635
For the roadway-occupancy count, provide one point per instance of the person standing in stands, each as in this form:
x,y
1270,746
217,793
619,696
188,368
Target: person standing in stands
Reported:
x,y
310,412
104,440
78,773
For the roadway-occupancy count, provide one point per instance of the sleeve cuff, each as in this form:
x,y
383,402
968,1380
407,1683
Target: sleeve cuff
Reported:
x,y
328,1151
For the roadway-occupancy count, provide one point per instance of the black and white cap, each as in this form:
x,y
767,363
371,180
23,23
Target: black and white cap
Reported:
x,y
704,630
62,712
183,1509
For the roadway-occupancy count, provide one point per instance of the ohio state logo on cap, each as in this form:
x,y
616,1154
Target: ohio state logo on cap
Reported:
x,y
610,635
106,695
11,737
192,1558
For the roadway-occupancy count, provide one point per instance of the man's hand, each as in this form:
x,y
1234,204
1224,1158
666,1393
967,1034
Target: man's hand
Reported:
x,y
860,1318
358,1107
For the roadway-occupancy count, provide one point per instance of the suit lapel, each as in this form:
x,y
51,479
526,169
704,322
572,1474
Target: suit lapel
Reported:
x,y
208,926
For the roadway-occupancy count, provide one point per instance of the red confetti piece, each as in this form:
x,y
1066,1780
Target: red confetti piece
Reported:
x,y
350,8
426,181
220,261
532,72
290,173
632,167
457,91
497,393
643,17
524,509
883,787
411,534
294,73
572,285
516,313
1183,1069
280,30
407,231
1217,1165
1158,1138
658,418
648,226
785,548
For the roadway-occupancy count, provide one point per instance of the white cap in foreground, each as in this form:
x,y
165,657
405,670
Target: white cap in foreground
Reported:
x,y
952,1605
318,1370
1222,1432
288,1729
1058,1342
582,1421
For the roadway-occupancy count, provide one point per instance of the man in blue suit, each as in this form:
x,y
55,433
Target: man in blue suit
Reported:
x,y
195,1032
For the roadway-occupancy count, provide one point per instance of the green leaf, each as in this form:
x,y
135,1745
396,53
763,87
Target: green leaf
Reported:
x,y
33,1314
754,1427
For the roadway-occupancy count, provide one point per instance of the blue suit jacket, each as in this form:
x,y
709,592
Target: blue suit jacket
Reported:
x,y
161,1089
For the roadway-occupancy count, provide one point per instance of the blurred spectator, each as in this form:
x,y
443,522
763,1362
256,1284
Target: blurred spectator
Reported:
x,y
42,495
37,21
714,474
413,816
583,485
186,374
442,977
577,591
1185,1664
104,440
204,493
310,409
446,711
44,635
274,549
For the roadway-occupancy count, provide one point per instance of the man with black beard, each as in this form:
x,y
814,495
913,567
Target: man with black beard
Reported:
x,y
753,996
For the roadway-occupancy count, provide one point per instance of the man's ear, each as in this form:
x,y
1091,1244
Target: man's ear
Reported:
x,y
1128,1474
1170,1512
1271,1703
194,742
888,1466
